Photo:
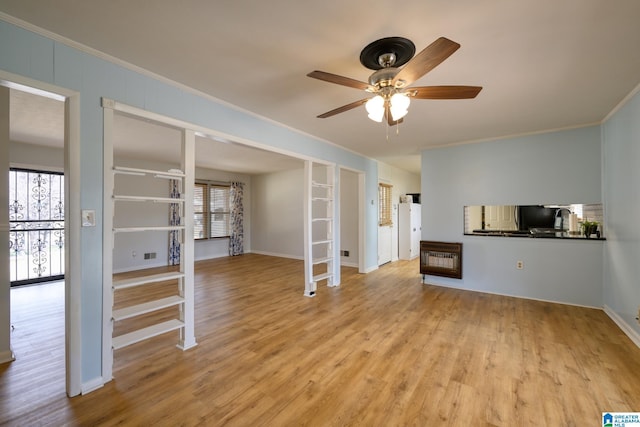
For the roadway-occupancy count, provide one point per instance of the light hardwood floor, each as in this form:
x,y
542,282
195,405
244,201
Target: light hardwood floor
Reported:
x,y
380,350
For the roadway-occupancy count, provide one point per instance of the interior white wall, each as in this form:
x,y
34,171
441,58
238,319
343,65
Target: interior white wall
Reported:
x,y
5,295
403,182
349,217
621,175
556,167
277,226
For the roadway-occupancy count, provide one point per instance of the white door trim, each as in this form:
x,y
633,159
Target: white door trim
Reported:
x,y
73,338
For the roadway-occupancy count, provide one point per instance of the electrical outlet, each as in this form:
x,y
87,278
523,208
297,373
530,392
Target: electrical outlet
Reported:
x,y
133,254
150,255
344,253
519,265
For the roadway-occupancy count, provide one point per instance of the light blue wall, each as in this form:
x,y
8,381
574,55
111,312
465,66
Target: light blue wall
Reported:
x,y
558,167
621,143
30,55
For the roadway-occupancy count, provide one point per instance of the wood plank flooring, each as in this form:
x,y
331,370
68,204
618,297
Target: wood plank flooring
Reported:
x,y
380,350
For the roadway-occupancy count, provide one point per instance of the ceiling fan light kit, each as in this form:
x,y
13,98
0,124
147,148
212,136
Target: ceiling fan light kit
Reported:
x,y
375,108
399,105
395,68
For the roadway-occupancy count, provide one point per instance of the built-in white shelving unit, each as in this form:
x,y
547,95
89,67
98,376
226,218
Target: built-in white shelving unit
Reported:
x,y
182,278
320,228
146,279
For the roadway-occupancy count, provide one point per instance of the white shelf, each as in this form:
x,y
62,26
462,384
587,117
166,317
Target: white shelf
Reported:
x,y
147,307
147,199
142,280
322,260
321,242
322,277
137,229
320,185
321,199
137,171
321,219
143,334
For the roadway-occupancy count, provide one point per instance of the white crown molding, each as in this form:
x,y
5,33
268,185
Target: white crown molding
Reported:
x,y
622,103
511,136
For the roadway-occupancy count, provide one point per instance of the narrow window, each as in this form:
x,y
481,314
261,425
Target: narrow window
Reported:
x,y
384,204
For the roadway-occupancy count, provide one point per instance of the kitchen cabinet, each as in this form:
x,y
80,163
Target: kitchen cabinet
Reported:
x,y
409,230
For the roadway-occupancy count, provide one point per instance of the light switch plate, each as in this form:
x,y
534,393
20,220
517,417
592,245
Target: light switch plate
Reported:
x,y
88,218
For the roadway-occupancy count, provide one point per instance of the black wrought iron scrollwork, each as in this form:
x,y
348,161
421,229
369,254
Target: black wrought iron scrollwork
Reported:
x,y
16,211
36,214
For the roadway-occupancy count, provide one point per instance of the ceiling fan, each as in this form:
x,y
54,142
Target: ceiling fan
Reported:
x,y
390,84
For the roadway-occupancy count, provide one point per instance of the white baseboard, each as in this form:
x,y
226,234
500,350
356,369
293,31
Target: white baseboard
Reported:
x,y
626,328
7,356
92,385
370,269
445,285
277,255
349,264
204,258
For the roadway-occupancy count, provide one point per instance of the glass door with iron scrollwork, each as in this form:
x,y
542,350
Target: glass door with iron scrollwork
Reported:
x,y
36,218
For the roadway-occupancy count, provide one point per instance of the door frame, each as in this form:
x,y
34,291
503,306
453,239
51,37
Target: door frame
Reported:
x,y
73,270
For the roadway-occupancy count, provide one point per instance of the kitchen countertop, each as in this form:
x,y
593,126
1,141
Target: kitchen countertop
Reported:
x,y
536,234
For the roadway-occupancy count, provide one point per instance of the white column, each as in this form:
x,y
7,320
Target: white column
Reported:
x,y
107,241
188,338
309,284
335,206
73,251
6,355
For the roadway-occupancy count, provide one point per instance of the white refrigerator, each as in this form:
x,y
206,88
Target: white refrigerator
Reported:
x,y
409,230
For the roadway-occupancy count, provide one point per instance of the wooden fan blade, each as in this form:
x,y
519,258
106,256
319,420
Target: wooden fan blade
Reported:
x,y
387,115
339,80
343,108
444,92
427,60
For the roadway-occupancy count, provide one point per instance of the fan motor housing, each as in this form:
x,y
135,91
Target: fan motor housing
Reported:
x,y
383,77
387,52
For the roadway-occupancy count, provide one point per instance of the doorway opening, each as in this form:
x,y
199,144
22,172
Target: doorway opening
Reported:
x,y
43,127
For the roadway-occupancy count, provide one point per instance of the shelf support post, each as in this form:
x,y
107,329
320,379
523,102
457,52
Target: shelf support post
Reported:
x,y
309,284
107,241
187,333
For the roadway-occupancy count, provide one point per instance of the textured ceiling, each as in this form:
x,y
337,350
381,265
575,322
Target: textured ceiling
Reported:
x,y
544,64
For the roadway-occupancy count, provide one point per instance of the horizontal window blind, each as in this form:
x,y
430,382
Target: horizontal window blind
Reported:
x,y
199,211
384,204
219,210
211,211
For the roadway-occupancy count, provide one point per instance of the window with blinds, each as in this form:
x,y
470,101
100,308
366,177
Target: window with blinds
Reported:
x,y
384,204
211,211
